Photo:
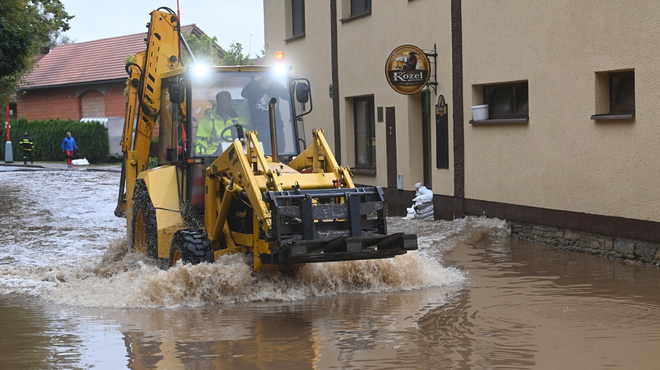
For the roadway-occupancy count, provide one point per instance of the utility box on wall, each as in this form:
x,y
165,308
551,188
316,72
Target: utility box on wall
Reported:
x,y
399,181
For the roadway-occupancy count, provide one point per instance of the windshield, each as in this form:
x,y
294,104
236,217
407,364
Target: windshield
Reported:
x,y
224,103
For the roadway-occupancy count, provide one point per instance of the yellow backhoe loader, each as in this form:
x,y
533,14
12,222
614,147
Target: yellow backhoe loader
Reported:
x,y
234,174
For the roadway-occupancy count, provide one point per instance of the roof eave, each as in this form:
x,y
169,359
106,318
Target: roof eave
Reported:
x,y
86,83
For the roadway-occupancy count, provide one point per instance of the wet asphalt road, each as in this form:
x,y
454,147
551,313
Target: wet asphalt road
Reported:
x,y
73,295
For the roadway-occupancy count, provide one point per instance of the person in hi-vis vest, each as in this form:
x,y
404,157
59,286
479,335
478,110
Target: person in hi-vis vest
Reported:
x,y
213,129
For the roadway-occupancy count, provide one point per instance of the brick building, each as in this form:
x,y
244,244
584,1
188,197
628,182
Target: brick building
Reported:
x,y
84,79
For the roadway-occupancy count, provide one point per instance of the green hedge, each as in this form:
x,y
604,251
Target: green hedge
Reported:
x,y
91,138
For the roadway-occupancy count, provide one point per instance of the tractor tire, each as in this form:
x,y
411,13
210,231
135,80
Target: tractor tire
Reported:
x,y
192,246
144,228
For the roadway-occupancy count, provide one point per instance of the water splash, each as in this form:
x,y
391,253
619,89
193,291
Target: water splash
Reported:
x,y
126,279
78,255
122,278
133,282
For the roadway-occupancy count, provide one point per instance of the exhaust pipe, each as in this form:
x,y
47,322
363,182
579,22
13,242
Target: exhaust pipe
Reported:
x,y
273,129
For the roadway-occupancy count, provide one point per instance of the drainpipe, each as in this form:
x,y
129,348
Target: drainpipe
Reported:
x,y
335,79
457,92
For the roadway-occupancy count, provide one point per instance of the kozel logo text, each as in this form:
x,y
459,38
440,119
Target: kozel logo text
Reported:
x,y
407,77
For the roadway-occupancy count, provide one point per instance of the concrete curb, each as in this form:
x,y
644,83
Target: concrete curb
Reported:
x,y
17,166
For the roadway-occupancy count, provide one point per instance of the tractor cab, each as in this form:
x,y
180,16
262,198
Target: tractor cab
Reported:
x,y
205,109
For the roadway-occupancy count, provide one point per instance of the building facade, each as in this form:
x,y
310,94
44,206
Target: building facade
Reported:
x,y
570,139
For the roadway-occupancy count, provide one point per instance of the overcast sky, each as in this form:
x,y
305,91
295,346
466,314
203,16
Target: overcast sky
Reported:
x,y
229,20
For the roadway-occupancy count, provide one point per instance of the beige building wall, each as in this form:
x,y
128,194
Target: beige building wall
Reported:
x,y
309,56
364,44
561,159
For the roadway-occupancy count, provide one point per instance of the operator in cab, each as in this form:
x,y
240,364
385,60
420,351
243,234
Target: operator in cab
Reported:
x,y
218,126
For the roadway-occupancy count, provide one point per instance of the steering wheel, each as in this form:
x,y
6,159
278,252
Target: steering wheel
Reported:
x,y
227,135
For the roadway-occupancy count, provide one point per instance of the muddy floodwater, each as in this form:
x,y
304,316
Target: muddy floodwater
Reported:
x,y
74,296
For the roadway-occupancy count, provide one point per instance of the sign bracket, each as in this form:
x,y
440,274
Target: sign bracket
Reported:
x,y
433,78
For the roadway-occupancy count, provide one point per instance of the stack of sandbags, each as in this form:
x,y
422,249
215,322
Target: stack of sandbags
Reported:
x,y
422,204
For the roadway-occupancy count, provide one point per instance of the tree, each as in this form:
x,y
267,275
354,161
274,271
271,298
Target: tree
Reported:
x,y
25,26
57,38
235,57
204,50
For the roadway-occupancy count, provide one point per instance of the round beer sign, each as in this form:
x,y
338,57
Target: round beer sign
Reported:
x,y
407,69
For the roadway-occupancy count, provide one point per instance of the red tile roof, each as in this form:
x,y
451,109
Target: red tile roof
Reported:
x,y
91,61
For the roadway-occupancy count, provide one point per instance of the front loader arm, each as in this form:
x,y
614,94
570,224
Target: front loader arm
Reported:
x,y
319,157
233,164
298,217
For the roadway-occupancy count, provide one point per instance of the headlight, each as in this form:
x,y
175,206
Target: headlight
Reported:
x,y
280,70
200,69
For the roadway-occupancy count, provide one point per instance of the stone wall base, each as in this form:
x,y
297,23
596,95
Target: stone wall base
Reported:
x,y
623,249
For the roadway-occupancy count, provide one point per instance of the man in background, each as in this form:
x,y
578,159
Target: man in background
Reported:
x,y
68,146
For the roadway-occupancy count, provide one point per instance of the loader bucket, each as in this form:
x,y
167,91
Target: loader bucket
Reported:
x,y
331,225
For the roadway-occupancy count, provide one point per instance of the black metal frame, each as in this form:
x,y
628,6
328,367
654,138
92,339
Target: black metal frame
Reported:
x,y
331,225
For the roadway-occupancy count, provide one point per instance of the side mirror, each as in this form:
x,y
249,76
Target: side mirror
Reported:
x,y
177,93
302,92
303,96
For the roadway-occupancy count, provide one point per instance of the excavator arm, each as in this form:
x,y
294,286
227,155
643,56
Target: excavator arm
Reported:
x,y
162,54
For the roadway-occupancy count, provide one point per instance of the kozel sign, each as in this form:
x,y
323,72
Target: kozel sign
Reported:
x,y
407,69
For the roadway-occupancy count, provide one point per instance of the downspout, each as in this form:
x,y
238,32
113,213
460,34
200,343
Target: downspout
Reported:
x,y
335,79
457,92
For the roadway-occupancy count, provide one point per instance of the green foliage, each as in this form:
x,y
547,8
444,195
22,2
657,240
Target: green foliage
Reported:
x,y
25,26
56,38
204,50
153,162
91,138
235,57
